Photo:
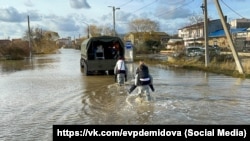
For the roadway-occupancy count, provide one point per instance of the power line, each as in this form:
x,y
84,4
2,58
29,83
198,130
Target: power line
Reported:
x,y
145,6
125,3
231,9
175,8
163,11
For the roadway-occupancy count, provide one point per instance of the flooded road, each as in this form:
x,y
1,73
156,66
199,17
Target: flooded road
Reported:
x,y
51,89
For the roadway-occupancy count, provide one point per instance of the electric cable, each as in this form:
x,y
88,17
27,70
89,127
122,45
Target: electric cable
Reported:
x,y
231,9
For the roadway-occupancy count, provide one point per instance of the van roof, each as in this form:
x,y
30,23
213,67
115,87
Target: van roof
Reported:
x,y
105,38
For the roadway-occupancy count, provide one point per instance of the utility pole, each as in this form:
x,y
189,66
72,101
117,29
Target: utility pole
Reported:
x,y
29,37
204,8
229,38
87,29
114,31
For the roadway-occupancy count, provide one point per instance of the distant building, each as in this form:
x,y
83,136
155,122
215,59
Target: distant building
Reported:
x,y
194,34
76,43
64,42
240,23
239,29
140,37
5,42
174,44
17,40
240,33
240,37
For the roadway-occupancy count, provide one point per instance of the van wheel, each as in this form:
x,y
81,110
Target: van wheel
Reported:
x,y
81,63
85,69
86,72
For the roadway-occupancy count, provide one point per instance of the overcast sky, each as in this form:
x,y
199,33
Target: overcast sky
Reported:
x,y
71,17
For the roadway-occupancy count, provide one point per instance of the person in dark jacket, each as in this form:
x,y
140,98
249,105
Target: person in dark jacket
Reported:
x,y
143,80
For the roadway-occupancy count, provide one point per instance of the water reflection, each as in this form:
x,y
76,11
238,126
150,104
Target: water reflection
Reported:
x,y
10,66
38,62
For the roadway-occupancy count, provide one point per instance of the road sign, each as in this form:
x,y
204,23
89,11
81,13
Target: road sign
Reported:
x,y
128,45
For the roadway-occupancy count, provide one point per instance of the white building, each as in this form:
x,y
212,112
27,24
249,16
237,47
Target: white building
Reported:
x,y
194,34
240,23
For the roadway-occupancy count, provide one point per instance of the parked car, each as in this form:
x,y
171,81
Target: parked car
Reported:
x,y
200,51
192,51
214,50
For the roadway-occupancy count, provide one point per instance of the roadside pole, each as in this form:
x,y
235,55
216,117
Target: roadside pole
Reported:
x,y
129,51
204,7
29,38
229,38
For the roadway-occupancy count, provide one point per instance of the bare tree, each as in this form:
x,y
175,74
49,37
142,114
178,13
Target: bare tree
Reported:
x,y
195,19
143,25
32,34
106,30
42,41
95,30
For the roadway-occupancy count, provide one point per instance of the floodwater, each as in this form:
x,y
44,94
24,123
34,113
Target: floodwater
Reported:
x,y
51,89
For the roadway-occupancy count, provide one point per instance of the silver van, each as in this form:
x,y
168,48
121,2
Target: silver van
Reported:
x,y
194,51
200,51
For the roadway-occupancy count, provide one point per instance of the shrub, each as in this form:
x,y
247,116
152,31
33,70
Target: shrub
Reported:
x,y
15,51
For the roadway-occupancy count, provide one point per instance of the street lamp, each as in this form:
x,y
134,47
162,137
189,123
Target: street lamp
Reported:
x,y
88,28
114,8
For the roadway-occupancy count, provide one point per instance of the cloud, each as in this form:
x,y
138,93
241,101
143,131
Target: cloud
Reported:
x,y
12,30
10,14
56,23
124,16
173,9
28,3
78,4
173,13
34,15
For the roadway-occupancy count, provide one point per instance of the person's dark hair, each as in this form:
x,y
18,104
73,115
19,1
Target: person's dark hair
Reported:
x,y
143,67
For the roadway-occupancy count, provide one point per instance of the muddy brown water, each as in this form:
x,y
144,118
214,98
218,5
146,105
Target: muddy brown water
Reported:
x,y
51,89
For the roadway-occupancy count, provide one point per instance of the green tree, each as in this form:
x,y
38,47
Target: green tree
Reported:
x,y
152,46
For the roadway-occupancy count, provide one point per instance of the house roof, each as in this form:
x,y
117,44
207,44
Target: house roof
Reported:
x,y
200,24
5,41
175,40
221,33
161,33
156,33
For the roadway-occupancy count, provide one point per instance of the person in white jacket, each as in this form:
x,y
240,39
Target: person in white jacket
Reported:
x,y
120,71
